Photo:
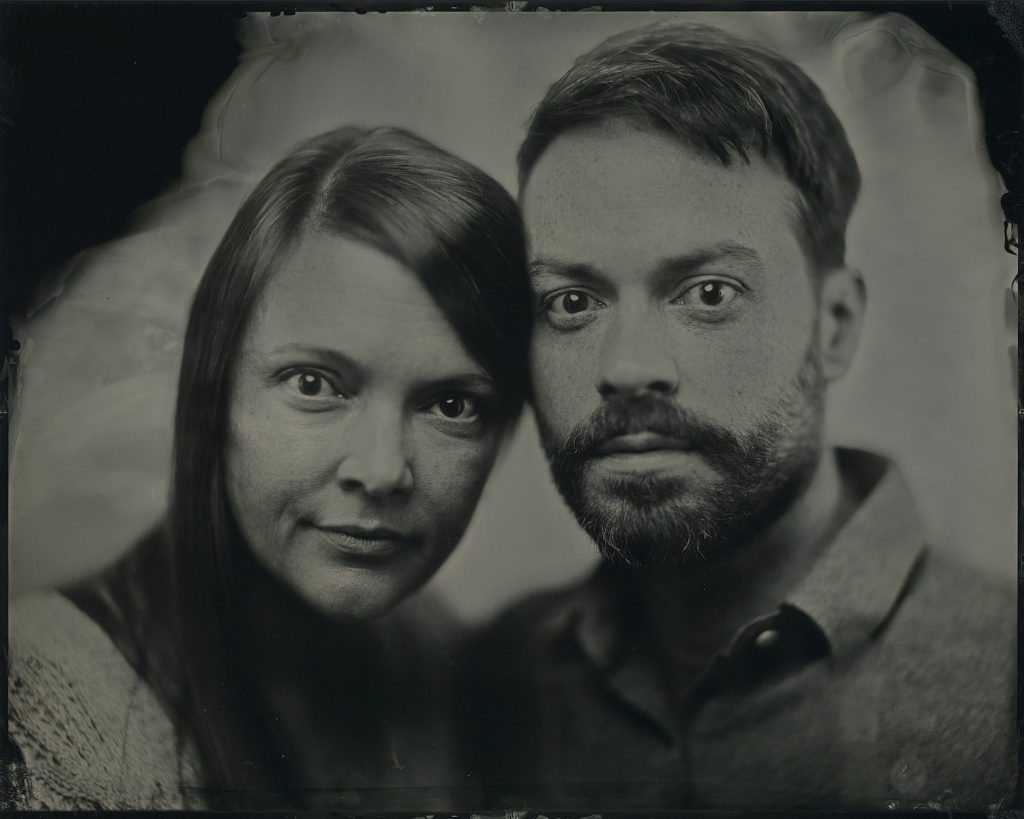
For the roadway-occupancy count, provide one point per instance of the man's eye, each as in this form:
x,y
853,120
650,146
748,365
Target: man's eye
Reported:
x,y
455,407
571,302
311,384
709,293
571,308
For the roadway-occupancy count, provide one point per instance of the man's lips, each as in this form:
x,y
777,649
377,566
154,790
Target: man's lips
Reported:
x,y
637,443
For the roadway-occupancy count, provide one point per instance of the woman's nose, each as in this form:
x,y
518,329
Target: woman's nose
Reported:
x,y
637,359
374,458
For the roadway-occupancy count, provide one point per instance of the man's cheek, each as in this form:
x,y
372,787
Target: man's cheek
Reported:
x,y
558,408
563,384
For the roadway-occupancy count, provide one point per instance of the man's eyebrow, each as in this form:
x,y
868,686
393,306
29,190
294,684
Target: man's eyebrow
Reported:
x,y
546,266
670,267
732,252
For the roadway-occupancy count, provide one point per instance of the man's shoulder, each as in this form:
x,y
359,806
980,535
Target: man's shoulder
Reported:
x,y
956,601
954,626
530,626
539,616
950,655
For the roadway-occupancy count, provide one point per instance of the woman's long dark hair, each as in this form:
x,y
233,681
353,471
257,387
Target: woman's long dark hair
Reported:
x,y
455,228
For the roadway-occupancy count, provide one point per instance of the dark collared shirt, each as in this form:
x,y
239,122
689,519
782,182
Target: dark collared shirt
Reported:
x,y
887,679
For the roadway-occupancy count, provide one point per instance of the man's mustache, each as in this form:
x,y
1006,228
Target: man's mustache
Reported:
x,y
659,416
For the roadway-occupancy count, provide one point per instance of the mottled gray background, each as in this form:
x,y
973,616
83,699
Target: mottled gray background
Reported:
x,y
932,385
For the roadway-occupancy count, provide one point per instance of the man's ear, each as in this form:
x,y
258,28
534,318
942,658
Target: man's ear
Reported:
x,y
841,302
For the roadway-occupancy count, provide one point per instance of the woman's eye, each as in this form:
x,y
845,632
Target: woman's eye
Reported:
x,y
709,293
568,308
456,408
311,384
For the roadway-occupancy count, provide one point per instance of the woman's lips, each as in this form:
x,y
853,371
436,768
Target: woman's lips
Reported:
x,y
368,543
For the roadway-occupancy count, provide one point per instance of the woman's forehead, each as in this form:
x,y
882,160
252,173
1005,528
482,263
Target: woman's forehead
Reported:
x,y
335,293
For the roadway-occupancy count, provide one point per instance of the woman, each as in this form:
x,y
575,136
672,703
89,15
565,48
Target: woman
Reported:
x,y
355,354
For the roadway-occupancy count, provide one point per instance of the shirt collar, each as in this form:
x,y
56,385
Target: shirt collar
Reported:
x,y
856,584
850,591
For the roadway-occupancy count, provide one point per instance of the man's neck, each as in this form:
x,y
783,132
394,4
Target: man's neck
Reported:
x,y
694,610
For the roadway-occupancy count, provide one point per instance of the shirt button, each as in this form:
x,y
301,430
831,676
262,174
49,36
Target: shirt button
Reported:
x,y
766,639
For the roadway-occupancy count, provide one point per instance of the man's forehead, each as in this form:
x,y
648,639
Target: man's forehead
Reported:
x,y
617,167
604,190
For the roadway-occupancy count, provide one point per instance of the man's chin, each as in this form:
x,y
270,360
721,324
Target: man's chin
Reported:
x,y
652,524
609,485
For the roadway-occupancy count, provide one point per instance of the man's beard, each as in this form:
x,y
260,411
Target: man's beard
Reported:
x,y
657,518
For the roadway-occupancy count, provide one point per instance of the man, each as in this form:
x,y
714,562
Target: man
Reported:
x,y
767,629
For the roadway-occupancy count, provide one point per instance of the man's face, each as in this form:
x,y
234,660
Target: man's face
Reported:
x,y
676,368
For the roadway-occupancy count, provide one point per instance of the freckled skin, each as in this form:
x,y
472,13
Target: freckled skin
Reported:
x,y
620,200
381,454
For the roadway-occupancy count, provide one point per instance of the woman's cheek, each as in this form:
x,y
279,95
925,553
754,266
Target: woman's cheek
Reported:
x,y
272,465
452,475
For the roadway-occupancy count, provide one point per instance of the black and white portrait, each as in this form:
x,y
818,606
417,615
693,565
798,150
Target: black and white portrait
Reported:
x,y
516,409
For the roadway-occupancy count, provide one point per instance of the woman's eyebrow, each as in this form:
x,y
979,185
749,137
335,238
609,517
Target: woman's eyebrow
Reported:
x,y
312,351
461,381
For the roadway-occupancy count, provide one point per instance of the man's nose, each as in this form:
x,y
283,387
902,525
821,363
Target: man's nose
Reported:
x,y
374,457
636,359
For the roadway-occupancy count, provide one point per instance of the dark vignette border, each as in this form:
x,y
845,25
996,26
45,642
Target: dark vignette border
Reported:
x,y
66,68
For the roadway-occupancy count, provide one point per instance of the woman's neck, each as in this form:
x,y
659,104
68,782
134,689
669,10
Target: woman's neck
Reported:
x,y
289,640
320,681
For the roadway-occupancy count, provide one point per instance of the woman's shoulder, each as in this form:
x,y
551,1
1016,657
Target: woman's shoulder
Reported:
x,y
91,732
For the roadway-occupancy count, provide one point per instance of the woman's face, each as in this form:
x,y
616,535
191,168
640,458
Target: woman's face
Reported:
x,y
360,429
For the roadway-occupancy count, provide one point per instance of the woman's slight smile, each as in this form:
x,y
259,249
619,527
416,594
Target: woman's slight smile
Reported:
x,y
360,436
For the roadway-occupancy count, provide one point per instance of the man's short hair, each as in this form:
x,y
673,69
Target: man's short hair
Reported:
x,y
723,96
